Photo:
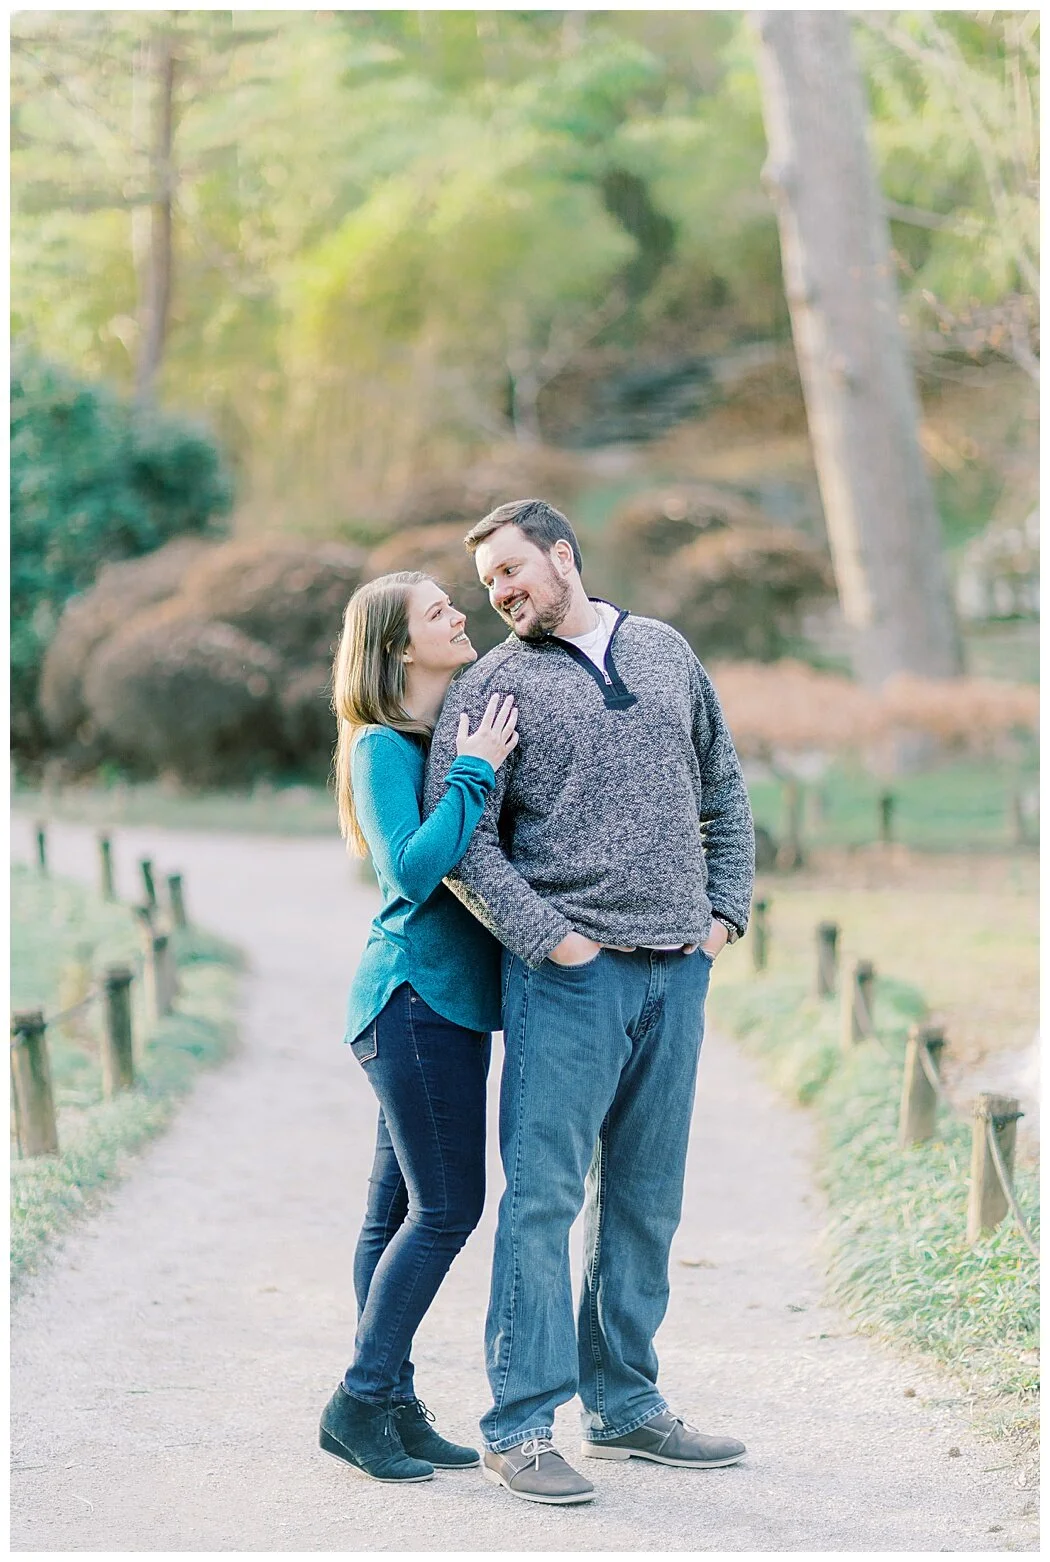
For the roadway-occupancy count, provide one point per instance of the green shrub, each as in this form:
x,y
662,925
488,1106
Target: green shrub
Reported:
x,y
92,479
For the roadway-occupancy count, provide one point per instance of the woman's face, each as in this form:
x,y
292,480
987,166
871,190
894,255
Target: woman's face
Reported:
x,y
437,636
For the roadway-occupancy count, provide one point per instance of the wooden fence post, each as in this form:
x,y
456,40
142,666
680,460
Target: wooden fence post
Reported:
x,y
918,1115
760,935
41,846
859,1004
118,1064
144,917
105,863
791,855
146,867
164,968
887,803
31,1078
177,898
827,958
988,1202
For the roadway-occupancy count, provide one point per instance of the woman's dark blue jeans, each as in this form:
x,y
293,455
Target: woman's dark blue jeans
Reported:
x,y
427,1187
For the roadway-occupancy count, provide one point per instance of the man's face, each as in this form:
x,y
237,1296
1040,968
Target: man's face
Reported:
x,y
531,590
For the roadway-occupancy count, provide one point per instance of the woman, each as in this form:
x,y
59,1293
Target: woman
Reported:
x,y
423,1002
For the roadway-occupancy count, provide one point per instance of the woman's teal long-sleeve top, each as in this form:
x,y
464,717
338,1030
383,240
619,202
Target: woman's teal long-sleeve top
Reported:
x,y
422,935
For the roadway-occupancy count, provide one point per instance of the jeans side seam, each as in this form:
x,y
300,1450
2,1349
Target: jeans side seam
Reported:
x,y
499,1398
592,1301
430,1111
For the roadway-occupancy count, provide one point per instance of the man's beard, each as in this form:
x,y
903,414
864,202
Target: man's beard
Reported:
x,y
548,618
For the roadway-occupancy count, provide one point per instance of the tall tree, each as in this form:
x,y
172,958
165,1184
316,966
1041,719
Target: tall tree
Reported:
x,y
861,402
155,70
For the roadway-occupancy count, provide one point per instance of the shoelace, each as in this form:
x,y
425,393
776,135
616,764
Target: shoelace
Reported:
x,y
413,1407
533,1447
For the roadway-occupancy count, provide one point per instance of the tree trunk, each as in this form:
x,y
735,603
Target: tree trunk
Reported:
x,y
156,259
861,402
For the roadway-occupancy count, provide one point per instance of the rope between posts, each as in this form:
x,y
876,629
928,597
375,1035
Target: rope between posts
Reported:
x,y
935,1079
1007,1187
138,964
76,1008
993,1146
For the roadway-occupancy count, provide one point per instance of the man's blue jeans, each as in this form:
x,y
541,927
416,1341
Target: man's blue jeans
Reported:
x,y
427,1188
597,1095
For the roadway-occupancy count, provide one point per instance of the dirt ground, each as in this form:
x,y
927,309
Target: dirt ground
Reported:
x,y
169,1365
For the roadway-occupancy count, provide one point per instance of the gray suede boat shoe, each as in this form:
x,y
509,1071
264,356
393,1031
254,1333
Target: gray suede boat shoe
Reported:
x,y
536,1471
667,1439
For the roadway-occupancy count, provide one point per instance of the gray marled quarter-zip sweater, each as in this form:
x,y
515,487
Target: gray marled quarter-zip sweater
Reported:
x,y
622,814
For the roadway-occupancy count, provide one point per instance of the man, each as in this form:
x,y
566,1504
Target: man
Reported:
x,y
614,860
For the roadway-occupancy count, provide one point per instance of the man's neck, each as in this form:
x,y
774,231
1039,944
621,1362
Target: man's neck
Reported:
x,y
581,618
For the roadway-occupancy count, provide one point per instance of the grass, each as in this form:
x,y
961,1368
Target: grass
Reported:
x,y
60,934
957,807
298,809
965,806
897,1259
962,929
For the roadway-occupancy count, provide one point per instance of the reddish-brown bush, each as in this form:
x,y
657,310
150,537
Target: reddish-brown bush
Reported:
x,y
439,551
175,692
649,527
963,713
789,707
515,470
506,471
740,593
307,724
287,596
119,592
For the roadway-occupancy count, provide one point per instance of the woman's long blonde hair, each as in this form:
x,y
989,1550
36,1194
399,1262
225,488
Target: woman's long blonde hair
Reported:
x,y
368,681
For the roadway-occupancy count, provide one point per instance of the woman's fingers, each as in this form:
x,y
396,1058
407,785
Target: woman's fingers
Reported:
x,y
489,717
463,730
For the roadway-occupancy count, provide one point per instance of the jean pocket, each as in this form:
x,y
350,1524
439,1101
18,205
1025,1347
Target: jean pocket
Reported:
x,y
577,965
366,1045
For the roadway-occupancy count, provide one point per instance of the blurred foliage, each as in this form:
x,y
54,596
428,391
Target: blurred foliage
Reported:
x,y
91,480
397,233
210,666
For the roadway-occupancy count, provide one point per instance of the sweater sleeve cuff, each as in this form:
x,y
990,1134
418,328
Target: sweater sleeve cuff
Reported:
x,y
553,933
473,768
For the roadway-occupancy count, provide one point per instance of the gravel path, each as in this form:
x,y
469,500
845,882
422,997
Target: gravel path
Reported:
x,y
169,1366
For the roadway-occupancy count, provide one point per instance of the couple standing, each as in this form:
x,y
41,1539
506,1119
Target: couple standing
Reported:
x,y
592,873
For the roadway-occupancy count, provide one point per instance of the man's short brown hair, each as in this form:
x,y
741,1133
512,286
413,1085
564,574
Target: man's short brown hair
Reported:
x,y
537,520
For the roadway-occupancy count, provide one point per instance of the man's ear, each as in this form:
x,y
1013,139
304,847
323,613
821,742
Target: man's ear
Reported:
x,y
563,556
